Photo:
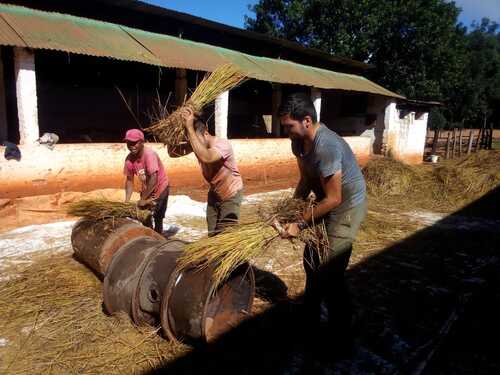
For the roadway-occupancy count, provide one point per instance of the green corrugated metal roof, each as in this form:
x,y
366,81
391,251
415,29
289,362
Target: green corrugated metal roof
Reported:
x,y
25,27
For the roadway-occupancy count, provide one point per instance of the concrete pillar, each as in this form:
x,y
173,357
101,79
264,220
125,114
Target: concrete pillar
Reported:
x,y
3,107
391,125
180,86
27,108
316,99
221,114
276,102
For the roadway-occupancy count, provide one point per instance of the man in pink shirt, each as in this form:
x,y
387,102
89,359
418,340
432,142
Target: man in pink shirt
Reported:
x,y
218,165
147,166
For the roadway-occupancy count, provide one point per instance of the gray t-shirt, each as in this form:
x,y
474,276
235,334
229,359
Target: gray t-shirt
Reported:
x,y
329,155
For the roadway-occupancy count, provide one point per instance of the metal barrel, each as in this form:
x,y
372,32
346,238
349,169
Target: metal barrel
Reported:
x,y
95,242
147,298
122,277
189,312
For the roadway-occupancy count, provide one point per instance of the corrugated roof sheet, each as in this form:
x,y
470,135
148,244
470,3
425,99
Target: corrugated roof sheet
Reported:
x,y
24,27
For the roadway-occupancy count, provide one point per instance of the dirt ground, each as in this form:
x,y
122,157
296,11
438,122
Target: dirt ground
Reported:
x,y
422,283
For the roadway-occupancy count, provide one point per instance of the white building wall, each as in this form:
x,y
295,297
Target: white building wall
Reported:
x,y
405,136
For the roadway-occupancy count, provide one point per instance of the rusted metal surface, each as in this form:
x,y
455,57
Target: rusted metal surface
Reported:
x,y
26,27
122,278
189,313
231,304
153,280
95,242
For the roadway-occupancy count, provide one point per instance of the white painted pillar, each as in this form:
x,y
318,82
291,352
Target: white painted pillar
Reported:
x,y
316,99
221,114
27,108
392,128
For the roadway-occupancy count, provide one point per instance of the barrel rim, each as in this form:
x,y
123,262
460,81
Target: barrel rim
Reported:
x,y
137,312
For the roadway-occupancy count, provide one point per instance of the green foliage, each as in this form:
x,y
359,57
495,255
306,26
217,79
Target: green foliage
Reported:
x,y
437,119
416,46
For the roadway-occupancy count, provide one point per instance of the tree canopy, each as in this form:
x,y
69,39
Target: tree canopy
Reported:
x,y
417,47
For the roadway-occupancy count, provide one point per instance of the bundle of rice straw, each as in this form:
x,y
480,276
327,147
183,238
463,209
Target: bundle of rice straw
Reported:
x,y
240,243
170,130
96,209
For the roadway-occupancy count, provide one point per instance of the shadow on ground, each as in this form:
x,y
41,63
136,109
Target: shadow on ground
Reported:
x,y
426,305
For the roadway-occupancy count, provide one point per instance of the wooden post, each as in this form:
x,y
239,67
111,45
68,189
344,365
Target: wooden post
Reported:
x,y
471,138
180,86
276,101
490,139
479,136
453,149
435,142
448,141
460,140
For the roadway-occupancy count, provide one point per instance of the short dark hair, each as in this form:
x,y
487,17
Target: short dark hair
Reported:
x,y
298,106
200,123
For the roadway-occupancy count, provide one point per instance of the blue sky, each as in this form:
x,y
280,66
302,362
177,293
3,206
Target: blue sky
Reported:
x,y
232,12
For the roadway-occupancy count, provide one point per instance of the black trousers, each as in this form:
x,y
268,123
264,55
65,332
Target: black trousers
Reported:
x,y
160,209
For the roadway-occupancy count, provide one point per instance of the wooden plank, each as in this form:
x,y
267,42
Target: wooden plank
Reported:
x,y
435,142
490,140
448,141
471,139
479,137
454,146
460,140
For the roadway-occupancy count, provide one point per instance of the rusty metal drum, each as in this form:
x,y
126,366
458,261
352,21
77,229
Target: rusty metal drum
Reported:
x,y
95,242
122,277
160,264
190,313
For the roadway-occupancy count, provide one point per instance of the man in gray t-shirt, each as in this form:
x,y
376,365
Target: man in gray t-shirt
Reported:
x,y
329,169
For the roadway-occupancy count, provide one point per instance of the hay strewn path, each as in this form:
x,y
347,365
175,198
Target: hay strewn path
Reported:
x,y
409,268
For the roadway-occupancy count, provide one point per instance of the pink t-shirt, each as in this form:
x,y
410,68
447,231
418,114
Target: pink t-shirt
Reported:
x,y
144,167
223,176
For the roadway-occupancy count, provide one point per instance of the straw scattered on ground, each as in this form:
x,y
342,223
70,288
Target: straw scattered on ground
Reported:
x,y
170,130
53,322
97,209
444,187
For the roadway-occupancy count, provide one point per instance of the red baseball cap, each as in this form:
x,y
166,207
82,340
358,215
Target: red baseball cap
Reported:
x,y
134,135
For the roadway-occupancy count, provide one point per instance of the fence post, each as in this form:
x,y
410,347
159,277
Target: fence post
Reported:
x,y
454,146
471,138
460,140
448,141
435,142
490,140
479,137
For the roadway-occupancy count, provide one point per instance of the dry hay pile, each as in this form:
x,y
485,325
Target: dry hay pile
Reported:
x,y
170,130
447,186
241,243
53,320
100,208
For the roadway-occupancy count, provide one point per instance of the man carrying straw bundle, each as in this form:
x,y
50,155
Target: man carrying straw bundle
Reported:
x,y
329,169
218,165
145,163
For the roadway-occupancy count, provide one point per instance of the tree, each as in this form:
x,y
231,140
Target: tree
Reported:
x,y
415,45
481,91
